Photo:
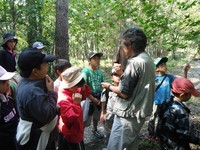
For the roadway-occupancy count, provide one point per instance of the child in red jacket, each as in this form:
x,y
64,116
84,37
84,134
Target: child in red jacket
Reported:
x,y
71,91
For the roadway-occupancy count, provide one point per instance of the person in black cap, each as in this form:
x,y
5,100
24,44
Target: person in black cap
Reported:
x,y
7,55
36,102
93,77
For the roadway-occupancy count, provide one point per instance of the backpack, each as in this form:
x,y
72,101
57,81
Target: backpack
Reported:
x,y
162,109
164,106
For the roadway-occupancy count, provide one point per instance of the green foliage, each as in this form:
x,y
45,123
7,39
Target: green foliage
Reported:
x,y
96,25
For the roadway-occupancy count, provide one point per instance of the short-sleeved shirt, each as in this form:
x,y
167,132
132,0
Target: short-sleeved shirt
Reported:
x,y
93,79
164,91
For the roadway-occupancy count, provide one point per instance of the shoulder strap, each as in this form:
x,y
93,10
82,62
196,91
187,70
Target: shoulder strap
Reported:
x,y
160,83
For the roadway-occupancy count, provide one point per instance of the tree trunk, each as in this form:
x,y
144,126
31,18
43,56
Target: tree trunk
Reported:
x,y
61,35
32,24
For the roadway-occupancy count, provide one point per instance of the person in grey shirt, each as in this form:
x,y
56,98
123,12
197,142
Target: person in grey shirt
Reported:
x,y
135,91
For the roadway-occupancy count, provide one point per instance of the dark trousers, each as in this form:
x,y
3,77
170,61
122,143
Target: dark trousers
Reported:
x,y
63,144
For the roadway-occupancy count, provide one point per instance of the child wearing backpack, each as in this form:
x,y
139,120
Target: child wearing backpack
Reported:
x,y
173,125
163,83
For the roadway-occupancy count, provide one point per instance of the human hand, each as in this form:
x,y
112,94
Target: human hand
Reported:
x,y
186,67
77,97
49,83
105,84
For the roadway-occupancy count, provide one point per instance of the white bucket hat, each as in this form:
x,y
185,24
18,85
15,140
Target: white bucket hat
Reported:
x,y
71,77
4,75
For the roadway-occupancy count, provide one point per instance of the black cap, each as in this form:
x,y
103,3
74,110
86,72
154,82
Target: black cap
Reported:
x,y
160,60
93,53
7,37
32,58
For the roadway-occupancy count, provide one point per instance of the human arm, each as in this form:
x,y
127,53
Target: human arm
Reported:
x,y
94,100
115,89
85,91
186,67
70,111
104,96
128,81
42,106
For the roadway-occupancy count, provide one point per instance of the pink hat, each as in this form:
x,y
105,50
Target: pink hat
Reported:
x,y
183,85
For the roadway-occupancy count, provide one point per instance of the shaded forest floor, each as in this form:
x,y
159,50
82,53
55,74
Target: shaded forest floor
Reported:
x,y
93,143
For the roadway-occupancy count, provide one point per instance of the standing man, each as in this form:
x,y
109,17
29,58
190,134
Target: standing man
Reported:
x,y
135,91
36,103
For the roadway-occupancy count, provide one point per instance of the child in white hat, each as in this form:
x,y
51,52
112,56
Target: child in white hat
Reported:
x,y
8,115
70,95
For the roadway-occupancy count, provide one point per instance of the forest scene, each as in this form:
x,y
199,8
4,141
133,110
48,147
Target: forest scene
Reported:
x,y
69,29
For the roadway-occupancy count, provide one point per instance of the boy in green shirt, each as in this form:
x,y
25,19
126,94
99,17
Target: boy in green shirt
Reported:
x,y
93,77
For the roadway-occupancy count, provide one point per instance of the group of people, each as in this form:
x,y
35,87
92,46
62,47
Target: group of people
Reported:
x,y
43,114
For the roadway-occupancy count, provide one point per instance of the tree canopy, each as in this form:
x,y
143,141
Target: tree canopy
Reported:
x,y
96,25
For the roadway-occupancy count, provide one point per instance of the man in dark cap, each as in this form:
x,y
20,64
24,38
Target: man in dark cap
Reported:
x,y
36,102
7,55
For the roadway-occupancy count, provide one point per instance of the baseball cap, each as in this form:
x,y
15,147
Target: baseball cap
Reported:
x,y
38,45
32,58
93,53
159,60
4,75
183,85
71,77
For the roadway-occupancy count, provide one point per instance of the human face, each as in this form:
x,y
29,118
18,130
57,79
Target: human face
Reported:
x,y
185,97
162,67
11,44
95,61
115,78
42,72
4,86
127,51
73,89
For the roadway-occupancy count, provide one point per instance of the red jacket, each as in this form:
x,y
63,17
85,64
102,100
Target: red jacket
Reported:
x,y
71,115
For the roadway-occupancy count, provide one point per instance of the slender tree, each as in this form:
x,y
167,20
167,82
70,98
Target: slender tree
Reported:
x,y
61,33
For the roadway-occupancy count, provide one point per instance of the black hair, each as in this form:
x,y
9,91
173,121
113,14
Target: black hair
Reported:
x,y
135,38
175,94
80,83
26,73
61,65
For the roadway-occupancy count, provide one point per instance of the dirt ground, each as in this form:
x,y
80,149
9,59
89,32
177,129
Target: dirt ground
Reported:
x,y
93,143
